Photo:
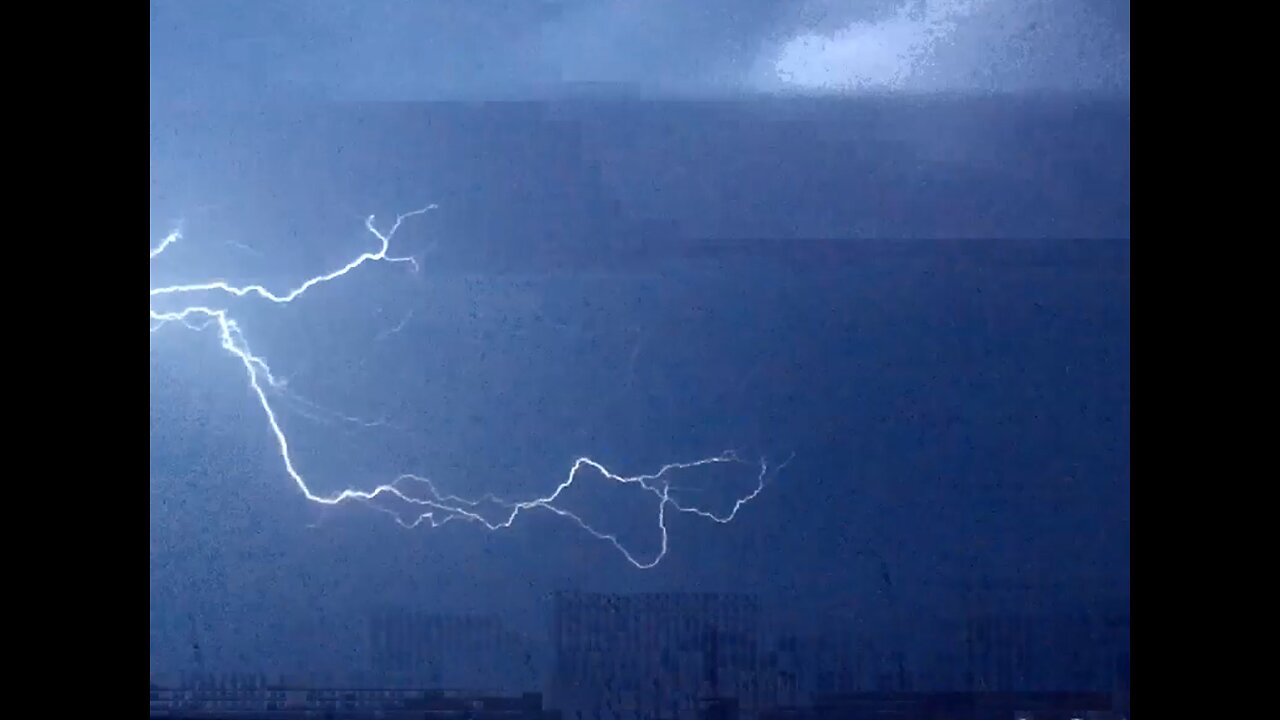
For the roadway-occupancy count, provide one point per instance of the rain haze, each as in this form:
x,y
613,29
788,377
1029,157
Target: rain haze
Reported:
x,y
824,305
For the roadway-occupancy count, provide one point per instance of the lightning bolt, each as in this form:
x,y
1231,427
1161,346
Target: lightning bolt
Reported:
x,y
430,505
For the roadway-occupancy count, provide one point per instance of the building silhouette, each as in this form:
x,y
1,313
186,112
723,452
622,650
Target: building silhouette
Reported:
x,y
686,656
409,647
657,655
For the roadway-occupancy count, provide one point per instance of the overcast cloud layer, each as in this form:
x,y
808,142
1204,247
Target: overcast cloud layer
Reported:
x,y
418,50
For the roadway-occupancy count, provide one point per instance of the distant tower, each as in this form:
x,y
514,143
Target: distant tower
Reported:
x,y
711,659
197,655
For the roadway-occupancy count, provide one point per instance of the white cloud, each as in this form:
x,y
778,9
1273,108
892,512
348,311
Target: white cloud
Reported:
x,y
884,54
955,45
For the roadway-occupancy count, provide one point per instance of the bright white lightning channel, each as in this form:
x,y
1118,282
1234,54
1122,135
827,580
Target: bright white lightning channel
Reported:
x,y
432,506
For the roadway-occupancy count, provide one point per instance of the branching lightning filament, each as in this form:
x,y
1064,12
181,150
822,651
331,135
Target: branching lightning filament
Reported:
x,y
430,505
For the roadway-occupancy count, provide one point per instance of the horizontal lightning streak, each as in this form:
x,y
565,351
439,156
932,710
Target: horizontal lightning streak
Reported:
x,y
434,507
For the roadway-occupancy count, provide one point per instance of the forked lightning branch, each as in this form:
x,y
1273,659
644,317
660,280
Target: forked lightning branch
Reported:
x,y
203,307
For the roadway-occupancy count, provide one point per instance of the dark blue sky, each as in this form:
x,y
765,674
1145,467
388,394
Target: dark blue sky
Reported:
x,y
640,281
